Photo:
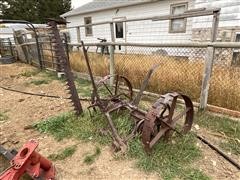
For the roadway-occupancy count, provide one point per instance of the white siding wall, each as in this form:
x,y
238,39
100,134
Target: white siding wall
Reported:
x,y
142,31
230,12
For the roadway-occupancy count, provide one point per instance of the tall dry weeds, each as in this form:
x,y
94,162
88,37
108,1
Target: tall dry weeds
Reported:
x,y
174,74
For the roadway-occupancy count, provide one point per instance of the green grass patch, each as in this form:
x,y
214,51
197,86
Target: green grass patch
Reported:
x,y
123,122
51,76
65,153
3,116
30,73
170,160
39,82
232,146
67,125
194,174
223,125
219,124
89,159
46,77
84,87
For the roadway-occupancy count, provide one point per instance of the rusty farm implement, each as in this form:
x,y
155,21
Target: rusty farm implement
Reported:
x,y
63,64
159,121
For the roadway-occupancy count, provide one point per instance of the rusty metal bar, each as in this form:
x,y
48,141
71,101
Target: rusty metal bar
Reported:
x,y
234,163
137,99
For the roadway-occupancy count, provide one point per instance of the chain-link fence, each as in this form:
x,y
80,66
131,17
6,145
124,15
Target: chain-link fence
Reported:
x,y
184,58
225,80
180,69
140,43
99,63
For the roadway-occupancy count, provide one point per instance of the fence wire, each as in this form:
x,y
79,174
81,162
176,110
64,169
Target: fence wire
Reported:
x,y
6,47
180,68
99,62
225,81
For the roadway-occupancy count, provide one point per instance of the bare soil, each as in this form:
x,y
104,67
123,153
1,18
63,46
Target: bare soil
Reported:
x,y
23,110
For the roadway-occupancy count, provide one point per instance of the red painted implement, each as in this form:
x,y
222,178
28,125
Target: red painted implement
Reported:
x,y
31,162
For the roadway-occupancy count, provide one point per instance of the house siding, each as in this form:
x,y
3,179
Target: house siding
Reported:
x,y
229,21
142,31
198,29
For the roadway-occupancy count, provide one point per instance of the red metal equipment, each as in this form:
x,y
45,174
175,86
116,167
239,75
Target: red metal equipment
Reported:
x,y
29,161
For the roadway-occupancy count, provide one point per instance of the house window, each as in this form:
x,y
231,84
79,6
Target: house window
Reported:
x,y
88,29
178,25
119,29
236,53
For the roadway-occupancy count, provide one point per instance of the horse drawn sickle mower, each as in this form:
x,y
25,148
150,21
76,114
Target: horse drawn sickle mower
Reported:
x,y
63,64
160,120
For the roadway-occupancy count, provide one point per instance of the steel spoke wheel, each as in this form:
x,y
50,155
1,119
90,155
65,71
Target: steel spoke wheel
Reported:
x,y
163,118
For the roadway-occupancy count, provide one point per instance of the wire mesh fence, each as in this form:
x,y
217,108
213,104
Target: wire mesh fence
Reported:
x,y
46,50
225,81
99,62
180,68
6,47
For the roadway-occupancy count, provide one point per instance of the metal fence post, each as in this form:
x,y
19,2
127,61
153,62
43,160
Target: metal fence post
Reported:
x,y
206,77
10,46
112,63
208,65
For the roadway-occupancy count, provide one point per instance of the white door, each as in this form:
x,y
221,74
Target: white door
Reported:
x,y
119,33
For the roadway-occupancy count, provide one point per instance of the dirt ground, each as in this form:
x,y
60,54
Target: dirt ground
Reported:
x,y
24,110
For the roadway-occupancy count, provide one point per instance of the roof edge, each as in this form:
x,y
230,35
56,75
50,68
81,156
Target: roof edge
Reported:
x,y
119,6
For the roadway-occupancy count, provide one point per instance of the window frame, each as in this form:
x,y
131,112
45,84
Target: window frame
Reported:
x,y
185,19
86,27
115,20
236,52
115,26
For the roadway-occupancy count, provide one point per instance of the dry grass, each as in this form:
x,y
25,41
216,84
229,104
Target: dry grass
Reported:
x,y
174,74
225,87
99,63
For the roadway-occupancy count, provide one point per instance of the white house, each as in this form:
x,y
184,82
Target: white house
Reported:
x,y
197,29
152,31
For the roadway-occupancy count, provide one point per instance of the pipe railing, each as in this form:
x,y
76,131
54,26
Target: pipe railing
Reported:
x,y
32,27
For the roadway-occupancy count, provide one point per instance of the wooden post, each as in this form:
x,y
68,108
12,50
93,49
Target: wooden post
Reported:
x,y
209,64
206,77
112,62
21,50
78,36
